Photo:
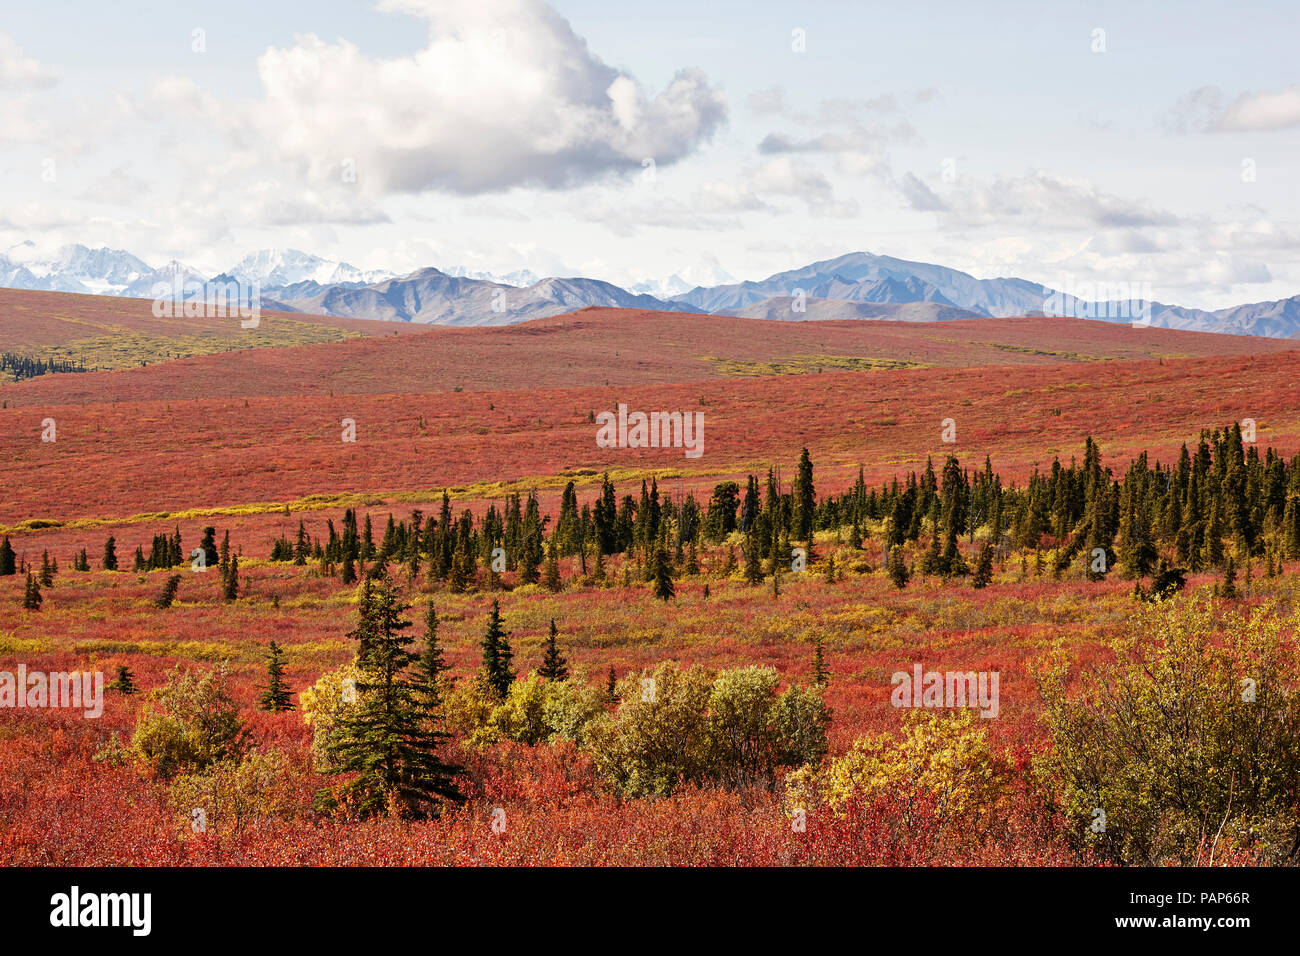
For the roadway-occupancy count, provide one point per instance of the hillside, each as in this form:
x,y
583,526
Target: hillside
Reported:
x,y
821,310
591,346
455,407
109,332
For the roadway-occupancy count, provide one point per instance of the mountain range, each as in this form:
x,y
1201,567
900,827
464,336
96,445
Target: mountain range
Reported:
x,y
858,285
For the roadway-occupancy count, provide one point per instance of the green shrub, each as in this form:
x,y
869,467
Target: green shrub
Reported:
x,y
192,723
1186,750
677,727
232,793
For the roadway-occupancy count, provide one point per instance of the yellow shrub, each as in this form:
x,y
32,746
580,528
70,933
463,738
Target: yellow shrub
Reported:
x,y
944,756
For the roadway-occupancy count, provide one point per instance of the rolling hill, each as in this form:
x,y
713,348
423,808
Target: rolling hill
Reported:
x,y
590,346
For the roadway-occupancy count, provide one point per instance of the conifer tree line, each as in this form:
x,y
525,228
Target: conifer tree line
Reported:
x,y
1221,498
26,366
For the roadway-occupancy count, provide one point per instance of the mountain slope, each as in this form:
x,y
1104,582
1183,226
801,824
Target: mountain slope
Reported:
x,y
861,276
431,297
294,281
781,308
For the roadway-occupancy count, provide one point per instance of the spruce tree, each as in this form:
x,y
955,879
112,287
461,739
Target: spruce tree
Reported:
x,y
8,560
805,500
554,667
32,595
168,595
208,545
496,673
456,578
432,662
230,580
897,569
855,535
611,687
1227,588
753,563
47,570
276,696
821,676
551,576
110,554
983,568
125,680
664,589
389,743
301,545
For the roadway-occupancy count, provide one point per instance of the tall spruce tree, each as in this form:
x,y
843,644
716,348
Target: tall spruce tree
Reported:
x,y
983,567
390,743
821,676
897,568
805,500
554,667
664,589
432,663
496,673
168,594
277,696
32,594
753,563
230,579
551,574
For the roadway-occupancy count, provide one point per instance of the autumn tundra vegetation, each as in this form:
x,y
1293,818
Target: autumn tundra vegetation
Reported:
x,y
651,665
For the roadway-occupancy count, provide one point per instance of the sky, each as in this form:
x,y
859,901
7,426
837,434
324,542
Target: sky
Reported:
x,y
1098,142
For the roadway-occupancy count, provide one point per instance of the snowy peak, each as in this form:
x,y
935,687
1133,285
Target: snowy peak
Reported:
x,y
858,285
277,268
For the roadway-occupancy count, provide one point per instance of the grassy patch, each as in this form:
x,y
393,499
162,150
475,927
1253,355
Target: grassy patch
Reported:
x,y
806,365
124,348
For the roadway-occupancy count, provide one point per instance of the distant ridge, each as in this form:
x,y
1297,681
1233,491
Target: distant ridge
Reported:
x,y
857,285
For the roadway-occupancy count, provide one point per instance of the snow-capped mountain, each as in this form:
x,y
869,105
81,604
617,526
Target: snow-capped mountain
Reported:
x,y
277,268
857,285
701,275
74,268
519,278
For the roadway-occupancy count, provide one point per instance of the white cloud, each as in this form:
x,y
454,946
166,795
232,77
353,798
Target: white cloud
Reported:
x,y
1279,109
784,176
1036,197
1206,110
503,94
19,72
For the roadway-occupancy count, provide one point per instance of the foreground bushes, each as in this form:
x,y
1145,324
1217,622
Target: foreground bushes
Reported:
x,y
942,768
1187,749
192,723
670,726
691,726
